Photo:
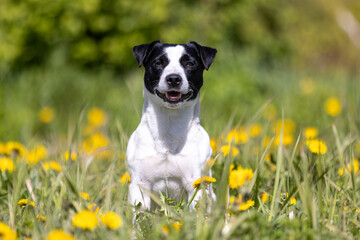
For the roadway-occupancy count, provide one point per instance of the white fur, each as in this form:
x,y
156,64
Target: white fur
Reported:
x,y
174,67
169,149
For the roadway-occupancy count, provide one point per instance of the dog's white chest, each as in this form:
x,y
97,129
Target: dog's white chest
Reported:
x,y
160,159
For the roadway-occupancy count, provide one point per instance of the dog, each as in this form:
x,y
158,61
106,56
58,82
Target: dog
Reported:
x,y
169,149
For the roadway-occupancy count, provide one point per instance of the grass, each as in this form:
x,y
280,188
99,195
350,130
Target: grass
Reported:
x,y
282,103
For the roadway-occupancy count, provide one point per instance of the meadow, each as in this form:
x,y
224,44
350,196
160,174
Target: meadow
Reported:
x,y
286,150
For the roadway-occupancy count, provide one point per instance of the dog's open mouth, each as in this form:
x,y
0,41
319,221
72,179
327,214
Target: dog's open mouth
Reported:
x,y
174,96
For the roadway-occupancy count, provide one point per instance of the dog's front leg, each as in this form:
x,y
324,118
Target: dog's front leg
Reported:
x,y
137,195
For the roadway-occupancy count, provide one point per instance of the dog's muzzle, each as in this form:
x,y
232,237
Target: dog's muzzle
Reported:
x,y
174,96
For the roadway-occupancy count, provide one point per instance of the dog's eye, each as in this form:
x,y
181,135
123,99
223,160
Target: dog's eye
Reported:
x,y
189,64
158,63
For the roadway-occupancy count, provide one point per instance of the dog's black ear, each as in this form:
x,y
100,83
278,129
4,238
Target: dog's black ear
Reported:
x,y
206,54
142,51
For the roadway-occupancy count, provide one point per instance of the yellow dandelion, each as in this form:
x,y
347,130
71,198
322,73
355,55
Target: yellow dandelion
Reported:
x,y
237,136
59,235
94,208
125,178
264,197
341,171
3,149
288,127
96,117
177,225
24,202
292,201
85,220
15,148
356,166
52,165
68,155
85,196
246,205
307,85
40,218
332,106
316,146
111,220
165,229
6,233
346,208
239,176
213,145
36,154
311,132
226,150
232,199
46,115
204,180
255,130
286,141
6,164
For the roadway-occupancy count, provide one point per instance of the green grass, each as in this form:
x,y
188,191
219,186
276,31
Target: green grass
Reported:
x,y
327,204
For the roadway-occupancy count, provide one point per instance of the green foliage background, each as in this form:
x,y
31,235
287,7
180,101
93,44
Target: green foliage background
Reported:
x,y
93,33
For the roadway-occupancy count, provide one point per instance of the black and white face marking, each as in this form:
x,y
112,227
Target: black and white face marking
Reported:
x,y
174,72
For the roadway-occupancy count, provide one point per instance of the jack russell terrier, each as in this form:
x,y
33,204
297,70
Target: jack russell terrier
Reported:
x,y
169,149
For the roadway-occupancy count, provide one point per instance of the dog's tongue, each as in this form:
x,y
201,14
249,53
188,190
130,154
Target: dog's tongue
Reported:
x,y
173,96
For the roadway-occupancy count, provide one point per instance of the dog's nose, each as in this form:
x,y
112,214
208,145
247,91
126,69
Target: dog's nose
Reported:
x,y
173,80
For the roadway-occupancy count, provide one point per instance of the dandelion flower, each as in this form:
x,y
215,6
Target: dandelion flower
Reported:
x,y
6,233
213,145
264,197
68,155
97,117
356,166
3,149
16,148
41,218
226,150
94,208
238,177
177,225
332,106
246,205
255,130
288,127
341,171
52,165
125,178
204,180
165,229
24,202
59,235
316,146
311,132
46,115
237,136
292,201
286,140
6,164
111,220
85,220
85,196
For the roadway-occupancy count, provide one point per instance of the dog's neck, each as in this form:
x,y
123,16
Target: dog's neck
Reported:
x,y
170,127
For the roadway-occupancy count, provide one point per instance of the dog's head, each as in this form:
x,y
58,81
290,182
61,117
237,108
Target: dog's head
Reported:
x,y
173,72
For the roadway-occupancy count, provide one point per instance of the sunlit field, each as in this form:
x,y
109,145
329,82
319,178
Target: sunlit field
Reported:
x,y
285,162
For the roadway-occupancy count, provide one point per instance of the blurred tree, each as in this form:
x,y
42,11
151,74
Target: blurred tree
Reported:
x,y
96,33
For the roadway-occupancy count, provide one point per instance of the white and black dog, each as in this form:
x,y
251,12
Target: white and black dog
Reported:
x,y
169,149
